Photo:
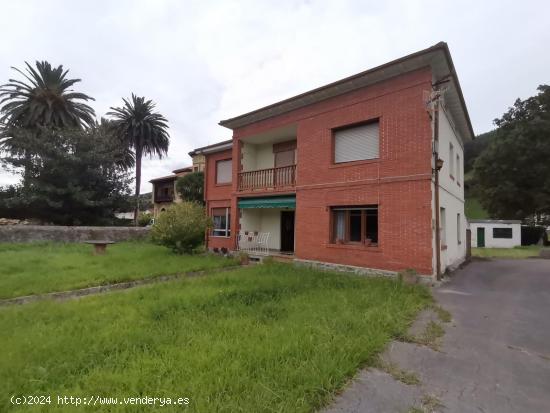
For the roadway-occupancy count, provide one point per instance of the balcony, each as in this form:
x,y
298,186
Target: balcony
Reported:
x,y
164,198
270,178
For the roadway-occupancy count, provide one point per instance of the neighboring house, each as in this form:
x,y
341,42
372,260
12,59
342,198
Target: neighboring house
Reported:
x,y
495,233
164,189
344,174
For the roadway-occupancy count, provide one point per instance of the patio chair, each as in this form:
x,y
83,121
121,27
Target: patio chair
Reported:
x,y
263,243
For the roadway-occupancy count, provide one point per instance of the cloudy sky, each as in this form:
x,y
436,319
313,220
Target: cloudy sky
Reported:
x,y
202,61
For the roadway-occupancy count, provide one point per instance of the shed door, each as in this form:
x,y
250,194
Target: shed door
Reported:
x,y
480,237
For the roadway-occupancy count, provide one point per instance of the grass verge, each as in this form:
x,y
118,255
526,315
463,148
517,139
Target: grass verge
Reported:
x,y
264,338
404,376
45,267
516,252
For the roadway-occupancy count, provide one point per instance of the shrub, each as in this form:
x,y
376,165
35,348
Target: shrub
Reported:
x,y
144,219
181,227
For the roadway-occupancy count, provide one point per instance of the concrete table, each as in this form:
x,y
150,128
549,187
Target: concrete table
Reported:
x,y
100,246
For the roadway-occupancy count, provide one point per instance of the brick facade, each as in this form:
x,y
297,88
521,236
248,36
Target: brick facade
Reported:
x,y
218,196
399,182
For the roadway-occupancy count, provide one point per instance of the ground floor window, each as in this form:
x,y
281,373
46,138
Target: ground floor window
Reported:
x,y
222,222
355,225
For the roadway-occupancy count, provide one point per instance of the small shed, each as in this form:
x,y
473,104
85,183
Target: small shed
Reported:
x,y
495,233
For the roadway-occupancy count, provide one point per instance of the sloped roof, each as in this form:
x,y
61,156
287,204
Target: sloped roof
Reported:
x,y
438,57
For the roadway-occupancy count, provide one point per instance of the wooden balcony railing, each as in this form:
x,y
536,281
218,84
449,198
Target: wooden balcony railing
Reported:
x,y
164,198
268,178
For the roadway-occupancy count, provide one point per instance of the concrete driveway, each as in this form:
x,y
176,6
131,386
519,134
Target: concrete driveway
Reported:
x,y
494,356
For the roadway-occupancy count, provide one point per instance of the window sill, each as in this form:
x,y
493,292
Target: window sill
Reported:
x,y
227,184
373,248
220,236
353,163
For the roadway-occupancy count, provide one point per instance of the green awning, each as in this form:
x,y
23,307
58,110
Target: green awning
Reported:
x,y
268,202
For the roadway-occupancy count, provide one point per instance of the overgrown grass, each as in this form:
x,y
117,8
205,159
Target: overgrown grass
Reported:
x,y
517,252
44,267
269,338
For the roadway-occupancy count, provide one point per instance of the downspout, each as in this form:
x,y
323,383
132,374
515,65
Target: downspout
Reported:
x,y
205,197
436,193
438,164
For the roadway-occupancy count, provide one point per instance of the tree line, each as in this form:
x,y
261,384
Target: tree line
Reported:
x,y
74,169
509,167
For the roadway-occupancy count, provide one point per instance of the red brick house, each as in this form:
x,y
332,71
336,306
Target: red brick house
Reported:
x,y
350,173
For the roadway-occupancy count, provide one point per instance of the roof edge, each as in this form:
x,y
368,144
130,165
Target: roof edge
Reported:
x,y
239,121
216,147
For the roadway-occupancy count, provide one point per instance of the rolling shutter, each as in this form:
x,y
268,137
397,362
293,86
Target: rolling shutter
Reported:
x,y
357,143
223,172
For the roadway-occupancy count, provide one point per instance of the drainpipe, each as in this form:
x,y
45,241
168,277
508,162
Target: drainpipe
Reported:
x,y
436,194
438,163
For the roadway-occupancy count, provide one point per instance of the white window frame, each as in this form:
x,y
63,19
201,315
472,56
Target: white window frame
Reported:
x,y
451,159
443,227
458,229
222,232
458,168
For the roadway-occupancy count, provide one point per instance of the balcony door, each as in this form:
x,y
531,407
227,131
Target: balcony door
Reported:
x,y
285,158
287,231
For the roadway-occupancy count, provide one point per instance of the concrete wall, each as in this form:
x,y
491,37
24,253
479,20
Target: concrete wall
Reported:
x,y
32,233
491,242
263,220
255,157
451,194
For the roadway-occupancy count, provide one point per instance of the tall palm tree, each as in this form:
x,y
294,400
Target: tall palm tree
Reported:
x,y
44,99
143,130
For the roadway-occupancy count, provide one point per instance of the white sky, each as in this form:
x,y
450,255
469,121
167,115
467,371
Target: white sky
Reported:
x,y
203,61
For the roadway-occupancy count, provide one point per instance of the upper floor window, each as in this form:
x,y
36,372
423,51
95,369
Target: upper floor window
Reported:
x,y
451,159
457,167
224,171
284,154
357,143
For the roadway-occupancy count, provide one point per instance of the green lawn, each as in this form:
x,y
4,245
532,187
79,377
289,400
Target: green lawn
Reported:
x,y
44,267
517,252
267,338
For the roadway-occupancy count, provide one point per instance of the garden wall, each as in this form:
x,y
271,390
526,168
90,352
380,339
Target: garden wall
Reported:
x,y
32,233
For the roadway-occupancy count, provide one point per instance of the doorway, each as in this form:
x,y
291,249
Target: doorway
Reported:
x,y
287,231
481,237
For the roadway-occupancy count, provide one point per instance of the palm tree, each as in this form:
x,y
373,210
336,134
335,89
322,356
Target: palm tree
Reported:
x,y
143,130
44,100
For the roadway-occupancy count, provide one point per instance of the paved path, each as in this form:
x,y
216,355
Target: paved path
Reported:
x,y
495,355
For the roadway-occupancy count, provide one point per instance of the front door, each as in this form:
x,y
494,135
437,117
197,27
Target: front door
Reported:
x,y
287,231
481,237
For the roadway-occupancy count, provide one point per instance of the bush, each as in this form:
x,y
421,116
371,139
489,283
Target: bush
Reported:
x,y
181,227
144,219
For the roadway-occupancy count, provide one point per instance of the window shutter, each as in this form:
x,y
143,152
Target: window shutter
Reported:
x,y
223,173
357,143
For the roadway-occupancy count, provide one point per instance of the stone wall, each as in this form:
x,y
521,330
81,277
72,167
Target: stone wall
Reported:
x,y
33,233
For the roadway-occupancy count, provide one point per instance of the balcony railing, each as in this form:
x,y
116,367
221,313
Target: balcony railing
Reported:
x,y
164,198
268,178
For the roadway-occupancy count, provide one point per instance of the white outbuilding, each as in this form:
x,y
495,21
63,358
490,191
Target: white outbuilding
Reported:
x,y
495,233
